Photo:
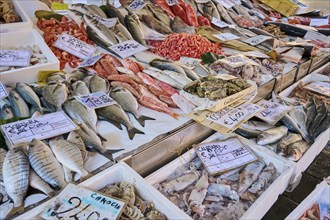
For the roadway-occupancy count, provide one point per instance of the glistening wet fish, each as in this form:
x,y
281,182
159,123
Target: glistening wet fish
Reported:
x,y
55,94
272,135
284,143
28,95
133,24
96,83
18,105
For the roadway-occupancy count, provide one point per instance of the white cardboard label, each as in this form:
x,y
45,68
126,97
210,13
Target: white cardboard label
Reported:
x,y
233,117
255,53
15,57
74,46
188,62
272,112
226,36
3,91
319,21
90,61
312,35
226,3
76,202
128,48
257,39
137,5
219,23
172,2
319,87
222,156
108,22
95,100
41,127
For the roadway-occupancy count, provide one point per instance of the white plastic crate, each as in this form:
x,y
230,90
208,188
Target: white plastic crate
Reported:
x,y
118,173
27,74
320,193
26,22
264,202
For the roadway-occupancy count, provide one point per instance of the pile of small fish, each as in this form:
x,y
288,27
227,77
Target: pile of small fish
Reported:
x,y
303,95
311,214
37,57
225,196
7,13
136,207
215,88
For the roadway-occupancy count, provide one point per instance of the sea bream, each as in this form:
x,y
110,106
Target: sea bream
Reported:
x,y
55,94
28,95
39,184
75,138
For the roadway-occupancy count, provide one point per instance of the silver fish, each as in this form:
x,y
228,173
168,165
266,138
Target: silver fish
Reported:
x,y
252,128
191,74
284,143
297,149
39,184
81,113
265,176
201,70
55,94
80,87
94,9
133,24
183,79
96,83
224,14
68,174
69,155
18,105
75,138
292,125
272,135
249,175
159,13
82,8
29,96
123,30
76,16
167,65
6,112
211,9
128,102
16,170
3,153
115,13
117,116
324,125
223,190
45,164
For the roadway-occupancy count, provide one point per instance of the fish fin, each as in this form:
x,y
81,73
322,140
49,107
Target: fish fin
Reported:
x,y
132,131
109,153
101,137
142,119
16,210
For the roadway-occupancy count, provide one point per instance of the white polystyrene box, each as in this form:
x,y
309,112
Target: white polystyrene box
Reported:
x,y
320,193
26,22
118,173
27,74
264,202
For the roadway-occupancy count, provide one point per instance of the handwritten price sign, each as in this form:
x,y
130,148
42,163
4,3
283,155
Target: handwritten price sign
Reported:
x,y
75,202
272,112
128,48
41,127
3,91
257,39
137,5
95,100
226,36
90,61
189,63
232,117
74,46
15,57
219,23
226,155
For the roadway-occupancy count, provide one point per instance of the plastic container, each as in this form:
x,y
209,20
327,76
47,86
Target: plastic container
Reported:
x,y
27,74
26,22
118,173
320,193
264,202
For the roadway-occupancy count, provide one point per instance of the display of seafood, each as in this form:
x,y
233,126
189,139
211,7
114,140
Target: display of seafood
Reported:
x,y
225,196
136,207
312,213
37,57
303,95
215,88
7,12
273,30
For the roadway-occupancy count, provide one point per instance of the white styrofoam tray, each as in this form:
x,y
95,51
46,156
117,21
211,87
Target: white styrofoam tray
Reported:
x,y
320,193
26,22
27,74
264,202
118,173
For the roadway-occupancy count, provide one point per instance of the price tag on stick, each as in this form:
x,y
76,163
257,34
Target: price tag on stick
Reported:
x,y
41,127
90,61
3,92
74,46
127,48
95,100
221,156
15,57
76,202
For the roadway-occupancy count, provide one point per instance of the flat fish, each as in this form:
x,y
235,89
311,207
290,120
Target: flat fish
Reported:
x,y
45,164
249,175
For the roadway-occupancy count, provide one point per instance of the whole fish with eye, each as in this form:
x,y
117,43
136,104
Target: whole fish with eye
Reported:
x,y
18,105
117,116
127,101
272,135
55,94
96,83
6,112
133,24
252,128
28,95
16,169
80,88
286,141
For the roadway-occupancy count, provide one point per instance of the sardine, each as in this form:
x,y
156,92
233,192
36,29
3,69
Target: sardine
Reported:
x,y
133,24
69,155
29,96
265,176
55,94
272,135
75,138
96,83
127,101
297,149
284,143
18,105
16,170
39,184
116,115
115,13
179,26
249,175
45,164
80,88
6,112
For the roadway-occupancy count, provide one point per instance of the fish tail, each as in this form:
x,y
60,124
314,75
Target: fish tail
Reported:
x,y
142,119
132,131
16,210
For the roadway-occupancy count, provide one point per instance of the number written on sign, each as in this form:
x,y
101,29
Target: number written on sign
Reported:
x,y
128,48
